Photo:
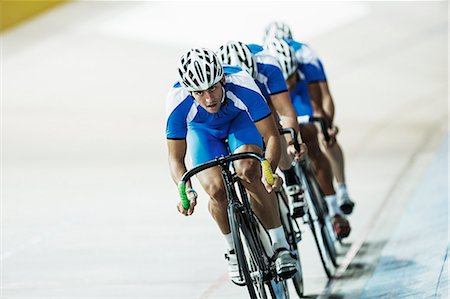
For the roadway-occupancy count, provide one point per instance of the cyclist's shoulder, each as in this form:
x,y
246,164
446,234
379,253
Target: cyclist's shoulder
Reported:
x,y
177,92
237,78
303,52
264,58
178,98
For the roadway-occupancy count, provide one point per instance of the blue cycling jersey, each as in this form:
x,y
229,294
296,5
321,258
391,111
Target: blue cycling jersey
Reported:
x,y
309,62
206,132
299,95
270,77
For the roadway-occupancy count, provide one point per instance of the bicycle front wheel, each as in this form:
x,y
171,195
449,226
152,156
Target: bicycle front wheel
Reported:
x,y
244,269
327,232
293,236
316,221
261,268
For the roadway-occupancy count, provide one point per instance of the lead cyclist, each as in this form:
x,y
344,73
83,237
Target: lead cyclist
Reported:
x,y
322,101
208,105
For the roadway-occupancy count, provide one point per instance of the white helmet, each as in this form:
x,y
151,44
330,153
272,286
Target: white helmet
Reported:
x,y
277,30
199,69
284,54
237,53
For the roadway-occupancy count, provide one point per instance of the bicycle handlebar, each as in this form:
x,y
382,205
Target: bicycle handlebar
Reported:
x,y
323,125
293,134
267,170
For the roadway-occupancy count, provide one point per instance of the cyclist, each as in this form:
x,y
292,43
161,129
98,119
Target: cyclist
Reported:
x,y
297,87
208,105
322,103
264,68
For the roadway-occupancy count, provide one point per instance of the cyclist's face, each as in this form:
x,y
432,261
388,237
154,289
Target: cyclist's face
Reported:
x,y
211,98
292,81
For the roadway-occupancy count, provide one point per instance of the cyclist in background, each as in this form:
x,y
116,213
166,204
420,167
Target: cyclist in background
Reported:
x,y
207,106
322,102
299,95
264,68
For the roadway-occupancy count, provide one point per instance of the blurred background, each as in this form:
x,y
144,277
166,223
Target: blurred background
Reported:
x,y
87,202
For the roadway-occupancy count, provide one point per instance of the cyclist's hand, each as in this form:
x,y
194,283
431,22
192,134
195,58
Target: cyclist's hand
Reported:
x,y
277,183
192,196
332,132
298,155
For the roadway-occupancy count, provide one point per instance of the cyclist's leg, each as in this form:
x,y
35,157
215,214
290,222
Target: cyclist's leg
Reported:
x,y
293,187
336,157
325,178
245,137
204,146
321,164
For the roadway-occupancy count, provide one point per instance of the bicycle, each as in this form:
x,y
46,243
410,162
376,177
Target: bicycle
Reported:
x,y
251,240
316,210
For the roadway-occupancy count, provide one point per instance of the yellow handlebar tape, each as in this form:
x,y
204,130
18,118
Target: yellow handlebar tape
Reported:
x,y
267,170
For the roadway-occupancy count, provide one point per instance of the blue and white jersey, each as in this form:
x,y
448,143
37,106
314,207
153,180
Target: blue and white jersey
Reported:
x,y
242,94
299,95
309,62
270,77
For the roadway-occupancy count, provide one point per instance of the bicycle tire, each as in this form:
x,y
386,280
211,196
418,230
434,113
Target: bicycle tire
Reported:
x,y
326,227
260,252
256,253
316,224
292,238
244,269
271,284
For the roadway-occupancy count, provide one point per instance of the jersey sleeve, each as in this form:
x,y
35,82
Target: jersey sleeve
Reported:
x,y
310,64
271,74
178,105
246,95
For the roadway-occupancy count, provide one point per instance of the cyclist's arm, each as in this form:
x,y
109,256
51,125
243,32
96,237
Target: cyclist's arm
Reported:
x,y
315,94
177,152
283,106
327,101
268,130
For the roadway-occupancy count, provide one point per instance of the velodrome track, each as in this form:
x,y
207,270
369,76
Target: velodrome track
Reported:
x,y
88,206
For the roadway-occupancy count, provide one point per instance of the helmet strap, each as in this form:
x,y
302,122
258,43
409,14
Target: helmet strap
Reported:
x,y
223,92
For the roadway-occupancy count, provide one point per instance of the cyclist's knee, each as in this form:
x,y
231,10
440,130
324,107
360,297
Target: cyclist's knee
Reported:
x,y
217,194
248,171
213,186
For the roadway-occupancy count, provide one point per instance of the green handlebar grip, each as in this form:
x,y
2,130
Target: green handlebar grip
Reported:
x,y
183,195
267,170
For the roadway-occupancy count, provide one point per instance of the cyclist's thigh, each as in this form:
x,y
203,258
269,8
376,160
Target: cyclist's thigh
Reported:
x,y
242,132
244,137
212,182
309,136
205,145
